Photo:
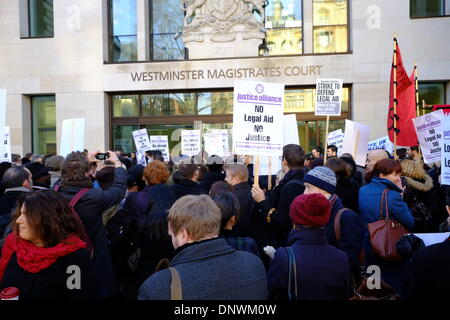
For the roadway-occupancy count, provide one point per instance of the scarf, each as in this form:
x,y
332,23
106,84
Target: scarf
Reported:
x,y
34,259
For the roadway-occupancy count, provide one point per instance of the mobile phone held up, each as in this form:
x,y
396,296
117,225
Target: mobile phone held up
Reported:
x,y
102,156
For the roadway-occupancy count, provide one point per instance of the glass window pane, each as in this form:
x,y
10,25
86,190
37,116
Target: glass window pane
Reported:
x,y
124,17
41,18
123,138
330,39
284,41
329,12
124,48
222,103
124,30
432,93
426,8
284,14
183,103
125,106
299,100
312,135
155,105
166,47
333,126
167,27
44,124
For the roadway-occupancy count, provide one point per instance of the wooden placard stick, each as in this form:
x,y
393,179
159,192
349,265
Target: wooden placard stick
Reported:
x,y
256,172
269,178
326,140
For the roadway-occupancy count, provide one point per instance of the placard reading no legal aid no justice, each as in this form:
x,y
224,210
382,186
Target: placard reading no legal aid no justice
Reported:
x,y
258,118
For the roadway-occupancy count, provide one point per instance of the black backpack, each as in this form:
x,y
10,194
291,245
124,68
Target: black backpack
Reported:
x,y
123,231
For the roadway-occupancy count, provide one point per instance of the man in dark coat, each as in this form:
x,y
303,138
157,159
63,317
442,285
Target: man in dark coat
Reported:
x,y
190,174
17,182
429,277
214,173
208,268
248,223
90,209
275,207
323,180
322,272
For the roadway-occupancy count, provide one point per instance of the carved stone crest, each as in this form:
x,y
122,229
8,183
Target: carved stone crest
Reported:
x,y
221,20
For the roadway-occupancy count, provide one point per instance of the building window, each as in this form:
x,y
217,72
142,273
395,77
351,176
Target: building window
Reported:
x,y
168,113
167,20
284,25
40,18
426,8
123,30
44,124
432,92
330,26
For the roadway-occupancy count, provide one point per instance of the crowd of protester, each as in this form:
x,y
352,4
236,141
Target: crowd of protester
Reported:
x,y
80,228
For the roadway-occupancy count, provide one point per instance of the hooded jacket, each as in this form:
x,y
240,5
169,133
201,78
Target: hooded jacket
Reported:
x,y
420,184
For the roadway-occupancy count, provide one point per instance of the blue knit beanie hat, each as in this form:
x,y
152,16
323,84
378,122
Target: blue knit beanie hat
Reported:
x,y
323,178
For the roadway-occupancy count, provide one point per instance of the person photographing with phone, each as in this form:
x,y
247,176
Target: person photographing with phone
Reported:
x,y
90,205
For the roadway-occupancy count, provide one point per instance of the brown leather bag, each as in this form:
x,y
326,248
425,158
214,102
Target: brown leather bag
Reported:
x,y
385,233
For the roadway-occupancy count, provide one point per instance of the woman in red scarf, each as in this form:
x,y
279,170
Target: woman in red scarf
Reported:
x,y
44,257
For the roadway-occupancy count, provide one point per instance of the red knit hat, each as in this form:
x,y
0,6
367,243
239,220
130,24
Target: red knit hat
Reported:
x,y
311,210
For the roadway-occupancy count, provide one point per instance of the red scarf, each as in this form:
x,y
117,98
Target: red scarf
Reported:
x,y
32,258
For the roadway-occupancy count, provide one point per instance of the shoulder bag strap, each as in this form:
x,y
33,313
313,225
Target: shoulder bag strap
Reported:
x,y
382,201
292,292
337,224
175,286
73,202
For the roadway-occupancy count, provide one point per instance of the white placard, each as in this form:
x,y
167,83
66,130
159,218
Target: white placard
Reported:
x,y
5,147
141,140
432,238
72,136
160,143
290,127
190,142
2,110
336,138
328,97
356,140
225,140
141,159
264,166
429,132
258,118
381,143
445,156
216,144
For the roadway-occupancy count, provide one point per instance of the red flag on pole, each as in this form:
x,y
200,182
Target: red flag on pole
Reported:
x,y
406,104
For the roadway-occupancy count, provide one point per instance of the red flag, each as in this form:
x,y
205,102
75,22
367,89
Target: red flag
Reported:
x,y
406,104
444,107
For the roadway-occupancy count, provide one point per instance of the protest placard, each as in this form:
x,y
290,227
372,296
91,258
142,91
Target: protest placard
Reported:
x,y
216,143
160,143
445,156
141,140
72,136
258,118
5,147
190,142
290,126
429,132
336,138
328,97
2,110
356,141
381,143
433,238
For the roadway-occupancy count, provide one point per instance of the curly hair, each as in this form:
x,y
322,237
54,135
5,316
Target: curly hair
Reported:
x,y
75,167
156,172
49,216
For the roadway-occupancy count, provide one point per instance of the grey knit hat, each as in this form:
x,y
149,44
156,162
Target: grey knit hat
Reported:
x,y
323,178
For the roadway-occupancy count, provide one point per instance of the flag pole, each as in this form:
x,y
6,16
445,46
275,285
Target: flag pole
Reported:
x,y
326,140
395,96
416,80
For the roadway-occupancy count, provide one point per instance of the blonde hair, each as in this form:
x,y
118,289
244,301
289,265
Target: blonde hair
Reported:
x,y
239,171
199,215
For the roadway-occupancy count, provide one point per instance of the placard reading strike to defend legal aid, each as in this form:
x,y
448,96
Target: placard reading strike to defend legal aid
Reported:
x,y
429,132
141,140
160,143
190,142
258,118
328,97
